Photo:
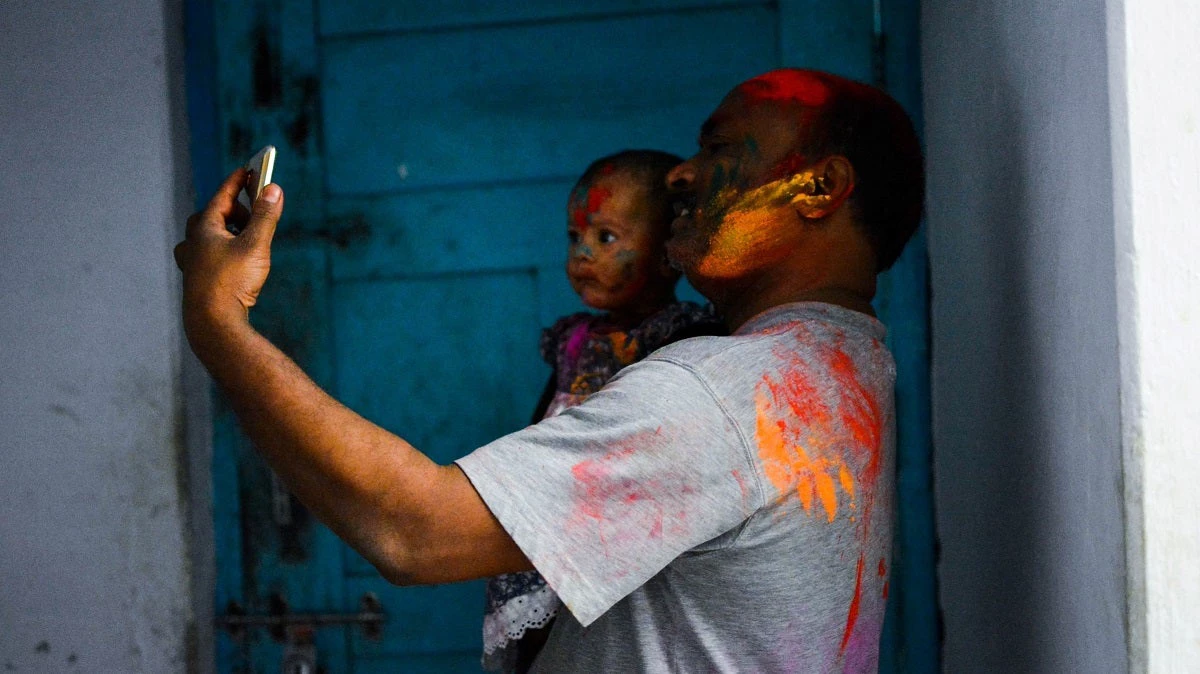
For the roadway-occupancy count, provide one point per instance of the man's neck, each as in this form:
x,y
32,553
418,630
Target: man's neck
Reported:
x,y
739,307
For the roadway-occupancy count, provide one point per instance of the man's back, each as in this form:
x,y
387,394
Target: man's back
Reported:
x,y
724,506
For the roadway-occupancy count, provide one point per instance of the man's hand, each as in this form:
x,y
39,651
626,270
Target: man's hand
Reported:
x,y
223,272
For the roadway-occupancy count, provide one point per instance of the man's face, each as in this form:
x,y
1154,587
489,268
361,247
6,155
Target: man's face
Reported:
x,y
734,196
613,250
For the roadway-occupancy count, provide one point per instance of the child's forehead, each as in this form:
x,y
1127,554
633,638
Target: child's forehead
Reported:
x,y
625,182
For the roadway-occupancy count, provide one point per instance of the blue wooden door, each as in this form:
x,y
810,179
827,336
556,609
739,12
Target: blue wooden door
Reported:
x,y
427,150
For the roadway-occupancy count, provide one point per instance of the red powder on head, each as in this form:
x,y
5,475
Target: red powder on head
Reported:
x,y
787,86
787,167
595,198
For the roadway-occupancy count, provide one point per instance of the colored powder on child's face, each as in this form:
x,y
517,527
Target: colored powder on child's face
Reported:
x,y
586,204
627,259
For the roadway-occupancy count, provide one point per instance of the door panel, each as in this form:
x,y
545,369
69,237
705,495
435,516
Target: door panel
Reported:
x,y
427,150
450,363
528,101
369,16
453,230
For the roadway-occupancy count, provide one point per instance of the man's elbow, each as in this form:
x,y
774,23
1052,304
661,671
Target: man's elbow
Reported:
x,y
396,559
398,575
409,559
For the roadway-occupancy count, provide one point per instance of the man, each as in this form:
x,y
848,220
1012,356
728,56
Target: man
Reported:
x,y
725,504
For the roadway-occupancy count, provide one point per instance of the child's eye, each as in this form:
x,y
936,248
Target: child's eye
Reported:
x,y
572,237
607,236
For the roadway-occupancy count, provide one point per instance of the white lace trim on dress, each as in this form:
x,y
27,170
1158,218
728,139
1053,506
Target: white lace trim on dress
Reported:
x,y
518,615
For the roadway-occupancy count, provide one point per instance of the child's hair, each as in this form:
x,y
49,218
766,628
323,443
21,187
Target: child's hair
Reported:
x,y
648,168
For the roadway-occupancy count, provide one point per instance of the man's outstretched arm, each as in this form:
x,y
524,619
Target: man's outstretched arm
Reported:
x,y
416,521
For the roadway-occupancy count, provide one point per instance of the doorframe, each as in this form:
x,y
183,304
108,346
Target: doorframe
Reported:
x,y
897,24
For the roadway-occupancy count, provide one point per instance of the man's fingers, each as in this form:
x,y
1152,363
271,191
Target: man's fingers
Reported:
x,y
264,216
224,200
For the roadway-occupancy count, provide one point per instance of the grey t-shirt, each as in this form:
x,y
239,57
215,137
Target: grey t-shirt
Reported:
x,y
723,505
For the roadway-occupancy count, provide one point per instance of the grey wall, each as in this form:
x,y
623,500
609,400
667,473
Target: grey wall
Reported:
x,y
1025,375
93,565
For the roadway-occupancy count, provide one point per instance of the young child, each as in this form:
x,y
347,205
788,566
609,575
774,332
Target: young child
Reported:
x,y
618,220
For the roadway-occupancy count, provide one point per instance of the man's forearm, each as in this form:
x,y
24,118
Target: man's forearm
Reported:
x,y
414,520
365,483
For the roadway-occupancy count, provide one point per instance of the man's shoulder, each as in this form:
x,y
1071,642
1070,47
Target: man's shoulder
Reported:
x,y
701,352
791,334
725,363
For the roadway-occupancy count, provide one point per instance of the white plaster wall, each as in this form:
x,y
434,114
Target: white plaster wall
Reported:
x,y
1026,383
93,565
1154,69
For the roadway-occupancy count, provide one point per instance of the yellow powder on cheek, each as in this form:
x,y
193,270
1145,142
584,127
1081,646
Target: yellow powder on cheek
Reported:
x,y
745,239
772,195
749,233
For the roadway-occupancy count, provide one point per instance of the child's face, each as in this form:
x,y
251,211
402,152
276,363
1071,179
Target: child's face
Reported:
x,y
614,258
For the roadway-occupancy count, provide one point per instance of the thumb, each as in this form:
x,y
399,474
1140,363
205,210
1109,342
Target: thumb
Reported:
x,y
264,217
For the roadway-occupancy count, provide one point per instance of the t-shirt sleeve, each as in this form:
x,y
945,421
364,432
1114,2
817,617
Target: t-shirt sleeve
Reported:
x,y
603,496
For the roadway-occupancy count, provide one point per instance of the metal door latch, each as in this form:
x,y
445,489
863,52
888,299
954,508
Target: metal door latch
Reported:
x,y
280,620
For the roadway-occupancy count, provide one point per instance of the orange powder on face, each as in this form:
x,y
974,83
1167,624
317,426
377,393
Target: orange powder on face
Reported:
x,y
774,194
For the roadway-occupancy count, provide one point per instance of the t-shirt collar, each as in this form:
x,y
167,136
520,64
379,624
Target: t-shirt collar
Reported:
x,y
821,311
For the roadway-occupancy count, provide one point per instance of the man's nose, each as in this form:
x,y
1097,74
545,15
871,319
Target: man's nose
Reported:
x,y
681,177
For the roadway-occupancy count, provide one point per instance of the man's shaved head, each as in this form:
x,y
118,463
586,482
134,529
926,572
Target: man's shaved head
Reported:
x,y
862,123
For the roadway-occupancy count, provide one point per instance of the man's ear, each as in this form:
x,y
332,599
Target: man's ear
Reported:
x,y
828,184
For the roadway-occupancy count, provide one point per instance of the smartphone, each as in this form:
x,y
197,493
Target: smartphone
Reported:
x,y
260,166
